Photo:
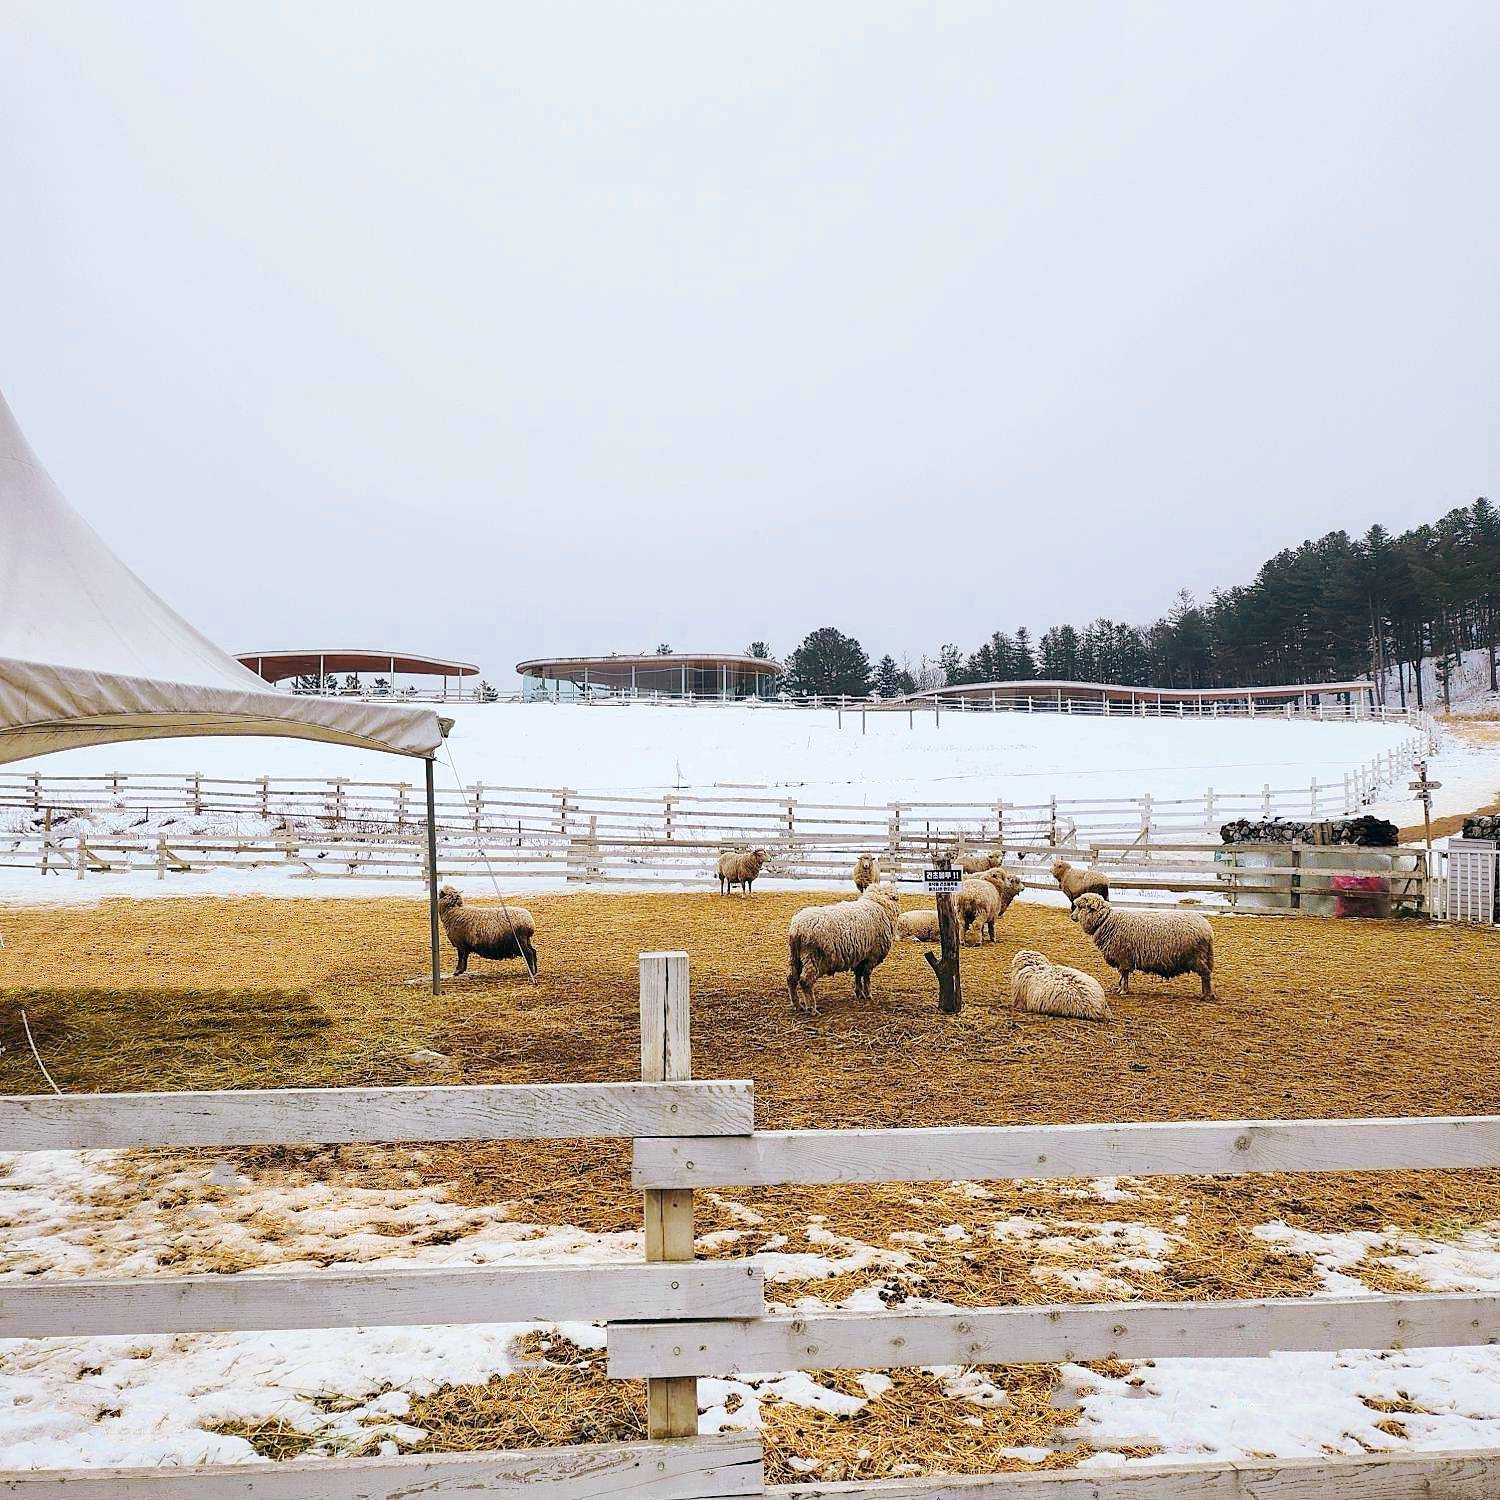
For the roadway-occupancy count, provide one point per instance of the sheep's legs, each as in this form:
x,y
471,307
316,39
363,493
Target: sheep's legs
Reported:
x,y
462,966
1123,987
1208,984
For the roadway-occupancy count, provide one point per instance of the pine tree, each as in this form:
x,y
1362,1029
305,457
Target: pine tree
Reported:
x,y
889,678
828,663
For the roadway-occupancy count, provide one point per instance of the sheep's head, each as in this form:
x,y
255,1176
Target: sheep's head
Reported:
x,y
760,856
885,893
1089,911
1028,958
449,899
1060,867
1000,880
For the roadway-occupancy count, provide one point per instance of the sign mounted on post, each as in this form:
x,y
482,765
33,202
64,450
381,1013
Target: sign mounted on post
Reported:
x,y
936,882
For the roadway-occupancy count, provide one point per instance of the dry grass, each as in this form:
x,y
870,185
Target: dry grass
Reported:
x,y
1316,1017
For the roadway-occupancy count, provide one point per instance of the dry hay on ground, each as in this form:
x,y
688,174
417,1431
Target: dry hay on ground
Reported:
x,y
1316,1017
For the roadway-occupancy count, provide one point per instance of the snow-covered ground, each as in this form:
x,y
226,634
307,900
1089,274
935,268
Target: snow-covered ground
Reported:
x,y
744,750
964,757
1469,690
158,1400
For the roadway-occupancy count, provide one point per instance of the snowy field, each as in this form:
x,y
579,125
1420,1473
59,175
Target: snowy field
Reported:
x,y
748,750
963,757
163,1400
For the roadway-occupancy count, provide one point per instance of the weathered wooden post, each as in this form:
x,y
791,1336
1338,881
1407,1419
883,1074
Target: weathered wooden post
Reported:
x,y
943,880
667,1057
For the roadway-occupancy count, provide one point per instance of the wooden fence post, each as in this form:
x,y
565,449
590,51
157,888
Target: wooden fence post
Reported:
x,y
1265,801
1146,814
46,838
478,806
197,792
667,1057
1208,812
265,796
950,990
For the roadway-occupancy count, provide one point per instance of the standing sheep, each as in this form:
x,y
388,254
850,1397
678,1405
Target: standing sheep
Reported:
x,y
738,868
866,872
976,864
847,937
1166,943
976,903
506,933
1076,883
1050,989
1008,887
918,926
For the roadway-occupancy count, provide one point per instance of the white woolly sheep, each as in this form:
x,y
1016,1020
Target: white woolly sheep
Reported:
x,y
1008,887
1166,943
1050,989
976,903
918,926
1078,882
738,868
975,864
866,872
495,932
847,937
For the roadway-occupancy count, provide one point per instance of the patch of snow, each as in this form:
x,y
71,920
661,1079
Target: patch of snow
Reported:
x,y
1298,1405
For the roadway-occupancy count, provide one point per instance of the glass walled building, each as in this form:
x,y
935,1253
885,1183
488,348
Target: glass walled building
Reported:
x,y
680,674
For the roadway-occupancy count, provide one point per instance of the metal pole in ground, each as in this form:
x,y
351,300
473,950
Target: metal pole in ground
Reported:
x,y
432,877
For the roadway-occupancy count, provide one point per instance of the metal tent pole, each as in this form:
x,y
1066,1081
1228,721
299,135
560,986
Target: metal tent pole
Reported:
x,y
432,874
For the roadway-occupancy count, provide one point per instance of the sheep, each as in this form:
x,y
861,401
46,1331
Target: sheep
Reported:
x,y
847,937
977,905
1076,882
976,864
1008,887
1050,989
739,868
506,933
1167,943
918,926
866,872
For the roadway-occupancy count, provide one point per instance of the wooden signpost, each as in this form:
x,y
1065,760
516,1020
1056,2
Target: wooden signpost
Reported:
x,y
1424,790
943,882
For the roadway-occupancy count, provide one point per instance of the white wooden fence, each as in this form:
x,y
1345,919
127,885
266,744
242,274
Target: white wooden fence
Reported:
x,y
675,1319
338,826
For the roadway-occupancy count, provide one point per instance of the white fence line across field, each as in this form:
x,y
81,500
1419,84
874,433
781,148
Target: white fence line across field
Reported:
x,y
362,827
675,1318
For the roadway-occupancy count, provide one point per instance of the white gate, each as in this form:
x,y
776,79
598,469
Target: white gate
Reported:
x,y
1473,881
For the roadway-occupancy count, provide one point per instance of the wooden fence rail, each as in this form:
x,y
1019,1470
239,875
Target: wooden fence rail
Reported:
x,y
533,816
673,1319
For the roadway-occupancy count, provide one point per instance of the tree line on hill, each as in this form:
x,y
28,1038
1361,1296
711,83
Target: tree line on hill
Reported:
x,y
1328,610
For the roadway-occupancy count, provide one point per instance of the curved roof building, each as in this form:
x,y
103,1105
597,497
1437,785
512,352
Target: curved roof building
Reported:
x,y
676,674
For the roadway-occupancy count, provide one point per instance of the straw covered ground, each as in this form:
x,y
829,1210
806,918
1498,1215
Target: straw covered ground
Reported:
x,y
1315,1017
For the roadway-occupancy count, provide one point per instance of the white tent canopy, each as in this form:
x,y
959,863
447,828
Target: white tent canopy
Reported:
x,y
89,654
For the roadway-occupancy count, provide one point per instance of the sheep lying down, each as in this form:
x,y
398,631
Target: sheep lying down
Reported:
x,y
1050,989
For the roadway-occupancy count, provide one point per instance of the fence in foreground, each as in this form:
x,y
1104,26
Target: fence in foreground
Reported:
x,y
673,1319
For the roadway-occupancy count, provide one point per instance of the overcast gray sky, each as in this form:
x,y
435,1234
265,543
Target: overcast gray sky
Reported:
x,y
512,329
